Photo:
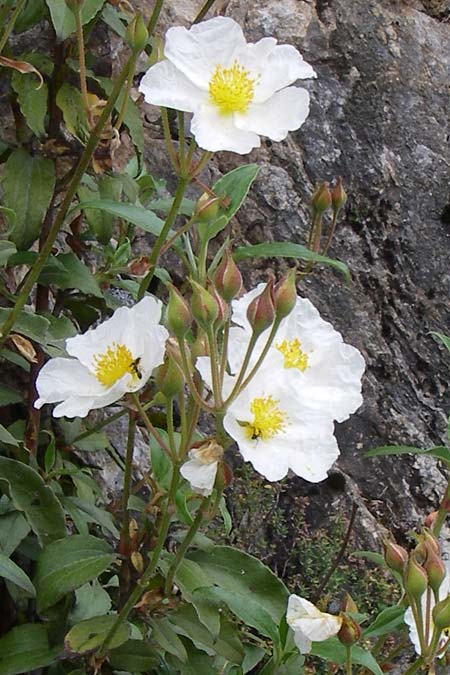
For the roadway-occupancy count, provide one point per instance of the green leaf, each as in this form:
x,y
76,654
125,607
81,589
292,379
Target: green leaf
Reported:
x,y
161,464
9,396
31,14
132,118
9,570
95,514
70,102
143,218
6,437
25,648
13,529
28,185
29,494
134,656
190,577
31,96
63,18
31,325
164,635
332,650
7,249
445,339
389,620
111,16
235,186
440,452
286,249
90,600
101,222
88,635
67,271
67,564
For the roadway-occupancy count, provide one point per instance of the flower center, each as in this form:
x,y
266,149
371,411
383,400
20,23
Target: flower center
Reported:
x,y
112,364
268,420
231,89
294,356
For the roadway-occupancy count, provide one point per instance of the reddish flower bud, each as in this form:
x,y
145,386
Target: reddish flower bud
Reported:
x,y
435,570
285,295
223,308
415,579
178,318
261,310
228,279
395,556
338,196
350,631
321,200
204,306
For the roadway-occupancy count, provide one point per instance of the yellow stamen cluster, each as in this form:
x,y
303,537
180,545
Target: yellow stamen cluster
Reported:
x,y
268,420
231,89
112,364
294,356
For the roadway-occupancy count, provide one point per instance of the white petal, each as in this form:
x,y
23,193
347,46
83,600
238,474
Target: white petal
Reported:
x,y
163,84
214,132
197,51
201,476
283,66
314,452
309,623
61,378
74,406
413,632
285,111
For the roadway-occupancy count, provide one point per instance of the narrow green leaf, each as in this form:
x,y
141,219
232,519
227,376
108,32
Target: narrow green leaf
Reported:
x,y
67,564
286,249
31,325
135,656
9,396
111,16
67,271
28,185
235,186
389,620
88,635
332,650
440,452
31,14
132,119
25,649
9,570
7,249
13,529
143,218
29,494
164,635
31,96
70,102
63,18
445,339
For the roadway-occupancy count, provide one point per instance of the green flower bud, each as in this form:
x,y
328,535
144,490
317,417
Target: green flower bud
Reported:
x,y
207,208
228,279
395,556
435,570
321,200
204,306
169,377
261,310
222,306
285,295
137,34
349,632
441,614
178,318
338,196
415,579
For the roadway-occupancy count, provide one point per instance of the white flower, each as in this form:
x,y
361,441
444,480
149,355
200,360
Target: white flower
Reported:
x,y
276,429
201,468
310,624
427,602
235,90
115,358
310,351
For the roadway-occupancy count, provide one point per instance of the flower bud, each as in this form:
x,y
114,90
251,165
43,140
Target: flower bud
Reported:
x,y
415,579
261,310
200,347
204,306
169,377
285,295
349,632
338,196
431,542
348,604
137,33
207,208
179,318
321,200
228,475
228,279
222,306
441,614
395,556
435,570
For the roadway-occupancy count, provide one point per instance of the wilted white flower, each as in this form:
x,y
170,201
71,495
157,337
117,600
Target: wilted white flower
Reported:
x,y
276,429
201,468
116,357
237,91
427,603
310,351
309,623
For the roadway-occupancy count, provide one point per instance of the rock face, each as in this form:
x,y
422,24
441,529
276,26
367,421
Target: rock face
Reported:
x,y
379,118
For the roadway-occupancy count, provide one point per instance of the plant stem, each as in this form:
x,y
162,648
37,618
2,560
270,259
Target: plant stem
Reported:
x,y
215,376
168,140
150,428
186,543
155,16
126,96
125,533
204,10
171,429
191,384
83,164
348,661
415,667
82,62
148,573
10,24
179,194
